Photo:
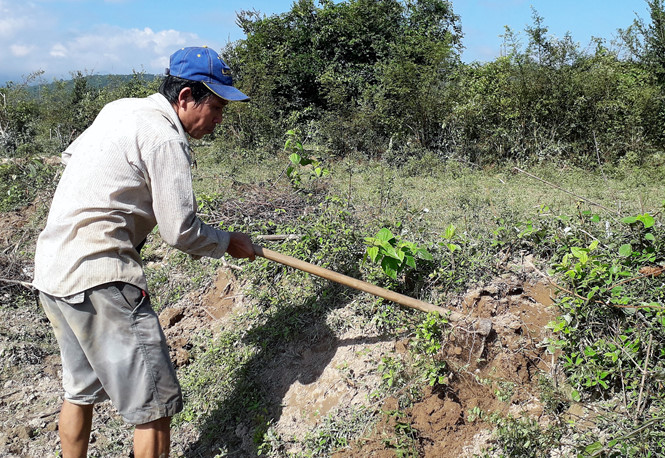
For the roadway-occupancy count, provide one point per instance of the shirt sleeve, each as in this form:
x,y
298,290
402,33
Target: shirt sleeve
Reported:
x,y
67,153
174,204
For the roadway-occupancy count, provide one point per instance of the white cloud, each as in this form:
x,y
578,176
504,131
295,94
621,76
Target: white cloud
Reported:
x,y
8,26
21,50
117,50
14,18
58,50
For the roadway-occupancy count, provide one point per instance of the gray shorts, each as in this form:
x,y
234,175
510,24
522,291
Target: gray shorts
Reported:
x,y
112,347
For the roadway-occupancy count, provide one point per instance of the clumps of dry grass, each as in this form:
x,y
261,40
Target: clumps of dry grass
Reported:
x,y
278,204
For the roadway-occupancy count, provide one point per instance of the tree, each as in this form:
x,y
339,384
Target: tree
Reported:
x,y
356,61
647,41
19,116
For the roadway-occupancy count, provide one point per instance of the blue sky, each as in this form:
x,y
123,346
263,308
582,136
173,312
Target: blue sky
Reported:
x,y
118,36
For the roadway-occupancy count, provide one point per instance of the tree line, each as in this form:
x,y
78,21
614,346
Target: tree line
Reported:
x,y
384,79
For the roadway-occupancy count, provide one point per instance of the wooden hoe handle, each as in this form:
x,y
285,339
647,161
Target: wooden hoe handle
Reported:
x,y
355,283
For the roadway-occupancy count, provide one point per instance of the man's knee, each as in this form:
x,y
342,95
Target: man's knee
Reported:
x,y
153,439
161,424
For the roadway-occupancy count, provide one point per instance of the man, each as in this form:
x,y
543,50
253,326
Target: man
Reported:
x,y
128,172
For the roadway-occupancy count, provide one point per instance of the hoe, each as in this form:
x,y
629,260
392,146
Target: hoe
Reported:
x,y
481,326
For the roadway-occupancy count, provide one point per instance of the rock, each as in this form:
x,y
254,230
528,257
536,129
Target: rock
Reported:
x,y
182,357
492,290
24,432
402,346
241,430
171,316
483,326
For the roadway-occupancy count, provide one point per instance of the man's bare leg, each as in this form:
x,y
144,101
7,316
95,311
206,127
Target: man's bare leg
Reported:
x,y
74,426
153,440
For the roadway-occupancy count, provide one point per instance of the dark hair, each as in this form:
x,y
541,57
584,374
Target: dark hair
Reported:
x,y
172,85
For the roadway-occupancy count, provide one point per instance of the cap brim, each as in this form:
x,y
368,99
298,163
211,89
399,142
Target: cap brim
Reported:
x,y
227,92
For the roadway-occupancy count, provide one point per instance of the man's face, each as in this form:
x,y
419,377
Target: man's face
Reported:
x,y
199,120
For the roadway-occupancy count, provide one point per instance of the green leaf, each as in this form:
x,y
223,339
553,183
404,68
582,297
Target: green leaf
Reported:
x,y
647,220
576,251
385,234
629,220
625,250
390,266
373,253
450,231
424,254
575,396
580,253
592,448
617,290
411,262
650,237
388,250
453,247
295,158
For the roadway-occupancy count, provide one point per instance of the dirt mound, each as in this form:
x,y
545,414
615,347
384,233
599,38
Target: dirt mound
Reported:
x,y
494,373
198,311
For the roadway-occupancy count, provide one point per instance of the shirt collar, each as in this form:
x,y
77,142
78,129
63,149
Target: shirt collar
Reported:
x,y
166,106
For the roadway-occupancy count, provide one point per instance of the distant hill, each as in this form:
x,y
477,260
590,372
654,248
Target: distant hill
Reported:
x,y
94,81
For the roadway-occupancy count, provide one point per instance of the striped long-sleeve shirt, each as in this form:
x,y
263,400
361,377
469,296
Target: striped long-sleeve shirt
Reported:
x,y
128,172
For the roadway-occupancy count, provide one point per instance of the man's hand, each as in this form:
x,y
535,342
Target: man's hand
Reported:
x,y
240,246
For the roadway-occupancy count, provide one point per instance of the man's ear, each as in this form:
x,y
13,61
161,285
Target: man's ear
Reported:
x,y
185,97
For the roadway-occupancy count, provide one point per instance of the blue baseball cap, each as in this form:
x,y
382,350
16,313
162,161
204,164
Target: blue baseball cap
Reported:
x,y
204,64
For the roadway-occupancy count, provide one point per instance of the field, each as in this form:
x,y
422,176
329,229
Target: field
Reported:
x,y
563,262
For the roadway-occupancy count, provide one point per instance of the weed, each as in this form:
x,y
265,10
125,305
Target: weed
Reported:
x,y
474,414
393,254
504,391
554,401
425,346
20,182
405,437
337,429
523,437
302,167
392,371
